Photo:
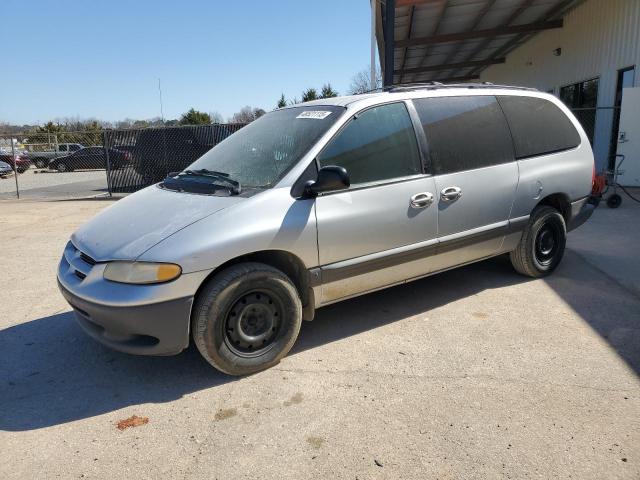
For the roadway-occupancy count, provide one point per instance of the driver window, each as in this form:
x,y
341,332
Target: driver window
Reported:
x,y
377,144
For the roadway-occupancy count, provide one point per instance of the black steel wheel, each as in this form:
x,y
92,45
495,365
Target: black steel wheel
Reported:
x,y
246,318
614,201
547,242
541,247
252,323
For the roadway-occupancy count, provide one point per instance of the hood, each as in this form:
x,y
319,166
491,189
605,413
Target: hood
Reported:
x,y
139,221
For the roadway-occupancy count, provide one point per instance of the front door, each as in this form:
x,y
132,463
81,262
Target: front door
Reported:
x,y
471,155
383,229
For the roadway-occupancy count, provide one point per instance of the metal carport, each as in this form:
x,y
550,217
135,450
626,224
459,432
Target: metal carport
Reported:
x,y
454,40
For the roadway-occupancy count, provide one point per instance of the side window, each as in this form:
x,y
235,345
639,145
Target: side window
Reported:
x,y
538,126
464,133
377,144
62,148
73,148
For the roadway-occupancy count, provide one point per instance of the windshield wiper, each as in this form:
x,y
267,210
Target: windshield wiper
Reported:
x,y
235,186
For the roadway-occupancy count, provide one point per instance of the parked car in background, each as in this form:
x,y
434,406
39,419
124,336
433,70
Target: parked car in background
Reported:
x,y
5,169
20,162
90,158
41,159
316,203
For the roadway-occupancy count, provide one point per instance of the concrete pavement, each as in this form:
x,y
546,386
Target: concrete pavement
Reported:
x,y
473,373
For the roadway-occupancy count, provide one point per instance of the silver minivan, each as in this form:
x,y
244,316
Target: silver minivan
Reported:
x,y
319,202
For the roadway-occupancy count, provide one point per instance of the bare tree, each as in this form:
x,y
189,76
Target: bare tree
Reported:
x,y
216,117
361,82
246,115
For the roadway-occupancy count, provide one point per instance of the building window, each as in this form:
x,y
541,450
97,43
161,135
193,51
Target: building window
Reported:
x,y
582,98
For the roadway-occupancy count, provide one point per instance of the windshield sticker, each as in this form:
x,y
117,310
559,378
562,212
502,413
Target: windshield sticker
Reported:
x,y
317,114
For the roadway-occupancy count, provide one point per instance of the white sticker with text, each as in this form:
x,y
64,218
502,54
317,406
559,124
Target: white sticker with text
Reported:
x,y
317,114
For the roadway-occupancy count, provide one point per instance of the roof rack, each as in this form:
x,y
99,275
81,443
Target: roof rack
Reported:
x,y
403,87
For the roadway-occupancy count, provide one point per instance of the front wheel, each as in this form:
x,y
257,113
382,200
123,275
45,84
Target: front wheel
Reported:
x,y
542,244
62,167
246,318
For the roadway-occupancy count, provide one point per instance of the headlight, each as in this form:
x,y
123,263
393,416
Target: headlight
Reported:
x,y
141,272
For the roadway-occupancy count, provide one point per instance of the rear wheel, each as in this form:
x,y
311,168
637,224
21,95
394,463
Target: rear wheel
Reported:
x,y
246,318
62,167
541,247
41,164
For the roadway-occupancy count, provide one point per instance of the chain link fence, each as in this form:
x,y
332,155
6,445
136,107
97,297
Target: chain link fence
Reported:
x,y
102,162
107,162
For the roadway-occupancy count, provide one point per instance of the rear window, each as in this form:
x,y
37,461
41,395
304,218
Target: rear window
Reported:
x,y
538,126
464,133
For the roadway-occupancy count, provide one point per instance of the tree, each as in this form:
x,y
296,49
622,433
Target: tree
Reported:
x,y
282,102
50,127
247,115
361,82
327,91
309,94
194,117
216,117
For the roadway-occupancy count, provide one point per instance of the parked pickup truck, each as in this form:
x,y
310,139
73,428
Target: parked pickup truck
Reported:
x,y
41,159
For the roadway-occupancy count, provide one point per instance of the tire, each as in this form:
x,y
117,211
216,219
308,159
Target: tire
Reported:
x,y
41,164
246,318
62,167
542,244
614,201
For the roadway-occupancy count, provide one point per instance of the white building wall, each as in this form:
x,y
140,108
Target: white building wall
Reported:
x,y
599,38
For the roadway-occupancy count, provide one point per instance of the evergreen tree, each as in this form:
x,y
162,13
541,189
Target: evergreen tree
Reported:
x,y
309,94
328,92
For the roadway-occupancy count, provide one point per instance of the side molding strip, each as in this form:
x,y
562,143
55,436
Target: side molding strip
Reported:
x,y
390,258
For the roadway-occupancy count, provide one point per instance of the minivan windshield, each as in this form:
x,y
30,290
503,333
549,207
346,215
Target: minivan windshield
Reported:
x,y
259,154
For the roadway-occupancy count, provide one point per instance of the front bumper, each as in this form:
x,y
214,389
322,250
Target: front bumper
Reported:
x,y
155,329
137,319
581,211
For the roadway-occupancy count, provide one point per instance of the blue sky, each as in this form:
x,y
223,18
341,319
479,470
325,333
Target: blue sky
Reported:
x,y
103,59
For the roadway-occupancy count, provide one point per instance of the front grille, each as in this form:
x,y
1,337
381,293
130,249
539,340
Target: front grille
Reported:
x,y
87,259
80,264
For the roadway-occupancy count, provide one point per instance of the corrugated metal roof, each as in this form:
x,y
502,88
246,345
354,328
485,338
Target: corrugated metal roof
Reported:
x,y
483,31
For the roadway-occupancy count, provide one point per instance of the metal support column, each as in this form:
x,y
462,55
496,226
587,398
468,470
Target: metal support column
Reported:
x,y
389,21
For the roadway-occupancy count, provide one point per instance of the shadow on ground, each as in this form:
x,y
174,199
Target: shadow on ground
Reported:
x,y
610,308
53,373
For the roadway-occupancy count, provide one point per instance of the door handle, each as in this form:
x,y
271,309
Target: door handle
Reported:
x,y
422,200
449,194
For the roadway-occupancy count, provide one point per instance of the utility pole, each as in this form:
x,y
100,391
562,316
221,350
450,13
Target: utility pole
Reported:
x,y
160,92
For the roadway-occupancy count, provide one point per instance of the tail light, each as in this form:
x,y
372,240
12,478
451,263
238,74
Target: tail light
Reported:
x,y
127,156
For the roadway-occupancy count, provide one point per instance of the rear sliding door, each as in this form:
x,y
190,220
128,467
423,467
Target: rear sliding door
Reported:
x,y
472,159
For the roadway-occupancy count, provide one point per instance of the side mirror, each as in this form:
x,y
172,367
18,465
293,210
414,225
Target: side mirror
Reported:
x,y
330,178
